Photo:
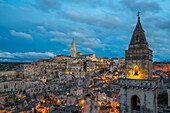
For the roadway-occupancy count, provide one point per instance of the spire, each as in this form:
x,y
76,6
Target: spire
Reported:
x,y
138,36
73,43
138,26
73,49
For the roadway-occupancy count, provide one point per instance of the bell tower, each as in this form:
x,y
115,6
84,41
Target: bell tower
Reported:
x,y
138,57
73,49
138,90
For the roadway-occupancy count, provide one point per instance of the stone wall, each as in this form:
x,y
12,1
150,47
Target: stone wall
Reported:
x,y
143,89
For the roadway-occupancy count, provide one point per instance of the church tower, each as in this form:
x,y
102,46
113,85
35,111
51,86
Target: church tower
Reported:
x,y
73,49
138,57
138,90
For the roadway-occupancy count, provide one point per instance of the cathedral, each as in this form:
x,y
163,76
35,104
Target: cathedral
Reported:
x,y
73,49
138,90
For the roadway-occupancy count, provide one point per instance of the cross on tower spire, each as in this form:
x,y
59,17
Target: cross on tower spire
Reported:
x,y
138,13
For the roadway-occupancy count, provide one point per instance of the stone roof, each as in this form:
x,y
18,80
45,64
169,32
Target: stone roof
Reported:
x,y
138,36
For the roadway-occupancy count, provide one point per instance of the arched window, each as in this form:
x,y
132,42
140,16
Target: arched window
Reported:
x,y
137,38
136,70
135,103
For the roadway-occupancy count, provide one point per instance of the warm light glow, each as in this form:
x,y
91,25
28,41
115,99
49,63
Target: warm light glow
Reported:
x,y
104,78
101,60
97,67
43,110
115,77
116,73
136,70
104,97
90,69
97,78
155,76
136,77
67,72
104,66
100,103
136,73
90,85
82,102
43,101
110,76
58,101
68,93
115,105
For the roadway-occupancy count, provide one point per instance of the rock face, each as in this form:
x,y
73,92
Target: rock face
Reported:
x,y
138,90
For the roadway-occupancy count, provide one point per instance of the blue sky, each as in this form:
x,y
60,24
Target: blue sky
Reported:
x,y
32,29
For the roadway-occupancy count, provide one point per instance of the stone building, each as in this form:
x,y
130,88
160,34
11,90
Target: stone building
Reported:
x,y
164,66
138,90
73,49
138,56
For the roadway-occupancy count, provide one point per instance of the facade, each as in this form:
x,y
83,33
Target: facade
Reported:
x,y
73,49
164,66
138,92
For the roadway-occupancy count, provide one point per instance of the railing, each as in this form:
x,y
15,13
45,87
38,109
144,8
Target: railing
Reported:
x,y
138,83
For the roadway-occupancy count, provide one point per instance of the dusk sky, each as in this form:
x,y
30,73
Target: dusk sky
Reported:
x,y
32,29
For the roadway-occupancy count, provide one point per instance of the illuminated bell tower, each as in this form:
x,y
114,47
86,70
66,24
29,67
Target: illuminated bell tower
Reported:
x,y
73,49
138,90
138,57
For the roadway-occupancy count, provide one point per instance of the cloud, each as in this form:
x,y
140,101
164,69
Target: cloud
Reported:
x,y
123,38
143,5
42,29
87,41
57,33
21,35
80,39
66,38
61,40
107,22
88,50
25,56
25,9
66,50
5,38
47,5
